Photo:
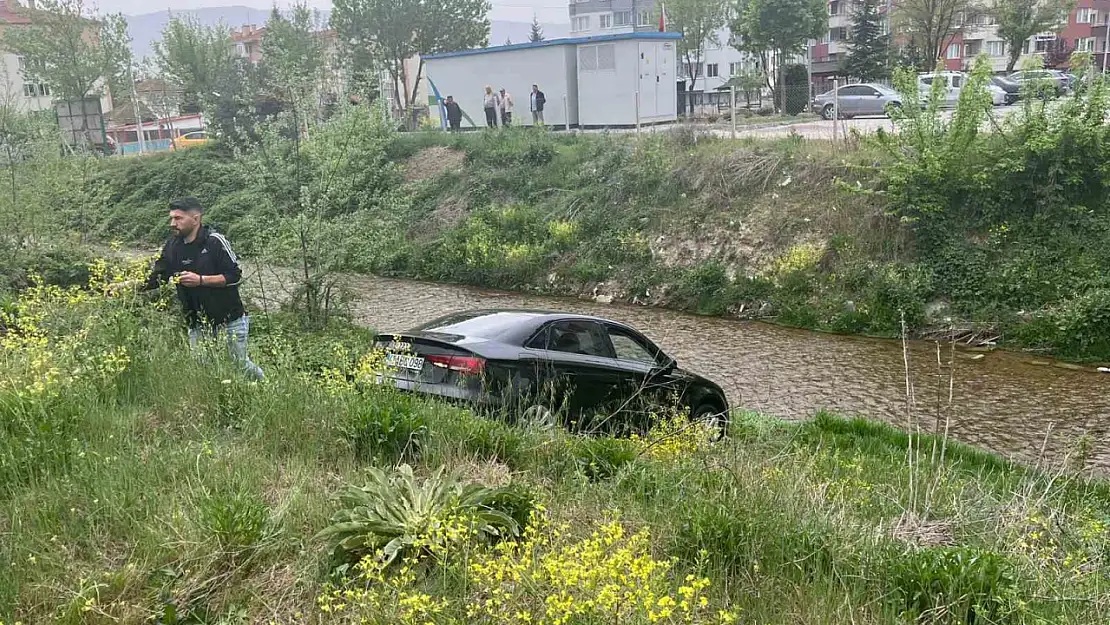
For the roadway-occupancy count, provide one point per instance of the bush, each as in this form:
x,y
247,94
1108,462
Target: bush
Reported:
x,y
955,586
385,427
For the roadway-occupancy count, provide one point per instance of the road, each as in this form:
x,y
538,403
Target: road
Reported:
x,y
822,129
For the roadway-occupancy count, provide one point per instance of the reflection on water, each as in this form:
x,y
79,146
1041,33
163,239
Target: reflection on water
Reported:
x,y
1001,401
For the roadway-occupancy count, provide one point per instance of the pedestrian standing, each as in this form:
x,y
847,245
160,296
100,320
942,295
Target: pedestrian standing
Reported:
x,y
454,114
207,274
490,103
506,102
537,102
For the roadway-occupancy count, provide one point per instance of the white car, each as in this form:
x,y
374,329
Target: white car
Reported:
x,y
954,82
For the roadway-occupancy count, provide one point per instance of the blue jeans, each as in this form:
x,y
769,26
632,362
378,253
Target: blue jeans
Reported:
x,y
236,331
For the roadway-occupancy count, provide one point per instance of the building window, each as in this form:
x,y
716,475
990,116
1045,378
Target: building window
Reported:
x,y
996,48
36,89
580,23
953,51
834,7
984,19
643,18
622,18
1086,16
599,58
973,48
1086,44
1041,43
688,69
712,70
605,20
735,69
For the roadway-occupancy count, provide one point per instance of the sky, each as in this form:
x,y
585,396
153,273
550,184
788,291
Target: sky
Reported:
x,y
550,11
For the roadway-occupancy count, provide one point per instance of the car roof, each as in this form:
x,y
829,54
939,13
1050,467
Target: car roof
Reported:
x,y
502,324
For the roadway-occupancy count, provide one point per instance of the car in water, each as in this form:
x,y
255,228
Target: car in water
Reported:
x,y
856,100
550,368
190,140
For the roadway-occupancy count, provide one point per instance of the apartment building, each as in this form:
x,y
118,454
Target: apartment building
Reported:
x,y
1085,30
608,17
16,89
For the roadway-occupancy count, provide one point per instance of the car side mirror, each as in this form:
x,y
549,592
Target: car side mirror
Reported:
x,y
668,364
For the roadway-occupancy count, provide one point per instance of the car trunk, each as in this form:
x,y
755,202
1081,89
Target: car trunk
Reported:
x,y
431,362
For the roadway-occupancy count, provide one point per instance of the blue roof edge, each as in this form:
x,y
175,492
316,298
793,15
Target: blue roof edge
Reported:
x,y
547,43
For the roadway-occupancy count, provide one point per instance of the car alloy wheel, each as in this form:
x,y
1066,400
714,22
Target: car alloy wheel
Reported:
x,y
713,418
827,112
540,417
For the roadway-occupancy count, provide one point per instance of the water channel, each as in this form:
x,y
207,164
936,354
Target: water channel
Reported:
x,y
1010,403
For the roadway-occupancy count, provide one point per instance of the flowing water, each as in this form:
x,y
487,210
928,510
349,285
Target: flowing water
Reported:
x,y
1009,403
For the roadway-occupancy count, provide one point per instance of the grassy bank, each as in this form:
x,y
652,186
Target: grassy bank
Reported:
x,y
137,486
1000,234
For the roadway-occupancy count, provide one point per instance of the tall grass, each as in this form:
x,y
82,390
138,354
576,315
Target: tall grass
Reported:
x,y
170,489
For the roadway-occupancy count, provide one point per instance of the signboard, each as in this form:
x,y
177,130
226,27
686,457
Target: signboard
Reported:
x,y
82,122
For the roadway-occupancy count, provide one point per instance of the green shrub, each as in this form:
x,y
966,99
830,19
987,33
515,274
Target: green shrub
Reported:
x,y
385,427
395,515
600,458
954,585
237,521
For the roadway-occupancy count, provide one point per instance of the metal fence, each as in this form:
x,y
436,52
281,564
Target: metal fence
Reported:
x,y
698,104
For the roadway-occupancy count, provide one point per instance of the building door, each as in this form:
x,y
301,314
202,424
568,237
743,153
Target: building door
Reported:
x,y
665,105
650,81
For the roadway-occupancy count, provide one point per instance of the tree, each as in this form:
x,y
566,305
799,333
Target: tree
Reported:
x,y
929,25
1018,20
698,21
73,51
293,56
1058,54
868,48
394,31
537,30
777,27
195,58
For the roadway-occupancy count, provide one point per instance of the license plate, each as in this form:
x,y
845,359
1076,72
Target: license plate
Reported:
x,y
404,361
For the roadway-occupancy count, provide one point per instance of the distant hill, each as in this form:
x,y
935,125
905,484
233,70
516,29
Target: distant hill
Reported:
x,y
147,28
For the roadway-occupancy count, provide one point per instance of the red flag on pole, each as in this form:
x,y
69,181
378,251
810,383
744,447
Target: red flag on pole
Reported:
x,y
663,18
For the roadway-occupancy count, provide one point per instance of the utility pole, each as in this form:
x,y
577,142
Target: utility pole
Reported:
x,y
1106,44
135,107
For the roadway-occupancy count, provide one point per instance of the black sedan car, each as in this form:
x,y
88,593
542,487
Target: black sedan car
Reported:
x,y
549,368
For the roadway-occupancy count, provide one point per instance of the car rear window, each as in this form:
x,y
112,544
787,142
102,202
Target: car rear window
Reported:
x,y
477,324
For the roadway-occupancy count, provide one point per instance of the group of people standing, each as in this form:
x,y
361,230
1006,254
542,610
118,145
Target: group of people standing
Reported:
x,y
498,106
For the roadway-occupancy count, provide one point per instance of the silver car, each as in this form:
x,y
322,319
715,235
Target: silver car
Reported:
x,y
860,99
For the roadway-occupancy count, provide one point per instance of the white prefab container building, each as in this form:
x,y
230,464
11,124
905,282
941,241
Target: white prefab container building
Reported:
x,y
614,80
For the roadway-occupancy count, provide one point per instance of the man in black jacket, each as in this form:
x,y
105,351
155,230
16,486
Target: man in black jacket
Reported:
x,y
537,101
454,113
207,274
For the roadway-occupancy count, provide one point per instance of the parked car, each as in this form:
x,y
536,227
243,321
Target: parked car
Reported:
x,y
954,83
854,100
190,140
1012,89
1045,82
549,368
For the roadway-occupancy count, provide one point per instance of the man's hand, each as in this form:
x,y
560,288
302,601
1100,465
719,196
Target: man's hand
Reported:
x,y
188,279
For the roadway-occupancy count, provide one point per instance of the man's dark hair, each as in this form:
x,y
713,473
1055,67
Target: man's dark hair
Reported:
x,y
188,204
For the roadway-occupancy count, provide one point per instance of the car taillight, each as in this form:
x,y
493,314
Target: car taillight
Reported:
x,y
463,365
